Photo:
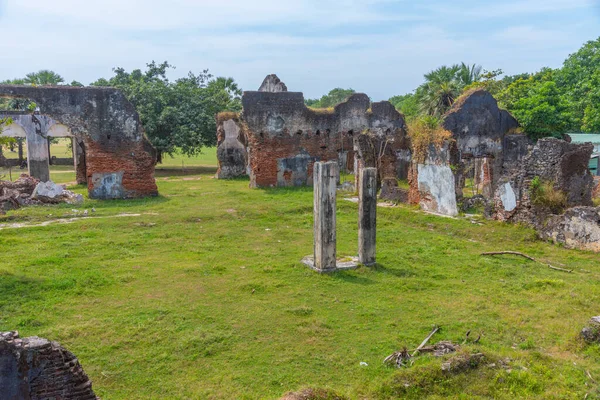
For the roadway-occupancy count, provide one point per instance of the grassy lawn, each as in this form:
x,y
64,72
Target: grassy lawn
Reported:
x,y
203,296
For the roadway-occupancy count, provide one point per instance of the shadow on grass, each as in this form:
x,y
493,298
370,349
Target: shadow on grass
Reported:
x,y
397,272
285,190
349,277
161,172
19,287
125,203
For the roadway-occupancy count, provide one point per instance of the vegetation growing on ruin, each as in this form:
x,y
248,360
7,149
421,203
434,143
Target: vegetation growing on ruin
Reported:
x,y
203,296
424,132
544,194
335,96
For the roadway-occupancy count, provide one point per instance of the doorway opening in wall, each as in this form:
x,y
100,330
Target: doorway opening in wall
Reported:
x,y
32,143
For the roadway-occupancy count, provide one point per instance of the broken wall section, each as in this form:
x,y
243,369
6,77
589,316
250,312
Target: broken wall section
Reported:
x,y
479,128
286,138
232,142
119,158
433,181
553,177
36,368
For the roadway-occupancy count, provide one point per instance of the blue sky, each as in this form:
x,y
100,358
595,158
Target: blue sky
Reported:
x,y
379,47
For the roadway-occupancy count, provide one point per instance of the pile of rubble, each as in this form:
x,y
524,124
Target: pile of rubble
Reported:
x,y
27,191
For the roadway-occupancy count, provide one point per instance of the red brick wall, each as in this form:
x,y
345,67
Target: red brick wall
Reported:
x,y
134,159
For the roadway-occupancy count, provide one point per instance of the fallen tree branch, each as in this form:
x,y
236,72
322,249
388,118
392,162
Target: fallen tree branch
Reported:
x,y
516,253
435,329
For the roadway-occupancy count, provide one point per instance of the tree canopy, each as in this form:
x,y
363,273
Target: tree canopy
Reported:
x,y
180,114
546,103
335,96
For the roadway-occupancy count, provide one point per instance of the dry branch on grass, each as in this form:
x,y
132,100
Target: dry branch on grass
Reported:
x,y
516,253
435,329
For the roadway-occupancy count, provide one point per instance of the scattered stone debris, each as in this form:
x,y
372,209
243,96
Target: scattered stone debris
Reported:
x,y
16,194
50,192
36,368
27,191
462,362
577,228
313,394
591,333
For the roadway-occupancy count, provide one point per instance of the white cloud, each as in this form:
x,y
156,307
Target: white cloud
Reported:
x,y
203,14
316,46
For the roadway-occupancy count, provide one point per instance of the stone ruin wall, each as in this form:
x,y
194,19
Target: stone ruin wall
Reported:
x,y
232,144
119,158
38,369
563,164
283,138
482,140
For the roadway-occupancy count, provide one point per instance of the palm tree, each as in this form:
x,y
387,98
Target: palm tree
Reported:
x,y
439,91
468,74
43,77
443,86
438,97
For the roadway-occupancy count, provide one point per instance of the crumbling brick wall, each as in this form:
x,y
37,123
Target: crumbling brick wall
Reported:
x,y
564,165
38,369
285,138
119,158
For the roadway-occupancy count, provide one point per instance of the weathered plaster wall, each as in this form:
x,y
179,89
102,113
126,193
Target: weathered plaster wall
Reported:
x,y
119,158
433,182
285,138
38,369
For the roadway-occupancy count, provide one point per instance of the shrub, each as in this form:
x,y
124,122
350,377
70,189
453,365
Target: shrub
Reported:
x,y
424,132
544,194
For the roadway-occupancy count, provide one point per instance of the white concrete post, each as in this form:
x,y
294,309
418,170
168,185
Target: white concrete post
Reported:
x,y
367,215
37,156
325,177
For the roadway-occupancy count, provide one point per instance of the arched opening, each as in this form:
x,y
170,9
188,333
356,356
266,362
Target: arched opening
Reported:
x,y
46,143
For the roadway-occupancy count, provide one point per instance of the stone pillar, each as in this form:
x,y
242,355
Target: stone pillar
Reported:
x,y
37,156
367,215
325,177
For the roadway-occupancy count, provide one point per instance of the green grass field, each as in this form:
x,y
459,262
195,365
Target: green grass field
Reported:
x,y
203,296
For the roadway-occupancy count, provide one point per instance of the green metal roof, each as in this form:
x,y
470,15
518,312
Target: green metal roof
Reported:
x,y
585,137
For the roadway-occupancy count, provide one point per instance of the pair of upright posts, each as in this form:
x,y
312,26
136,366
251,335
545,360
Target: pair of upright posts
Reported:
x,y
325,179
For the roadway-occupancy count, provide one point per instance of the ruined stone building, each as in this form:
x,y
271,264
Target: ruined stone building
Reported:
x,y
482,140
113,155
277,138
